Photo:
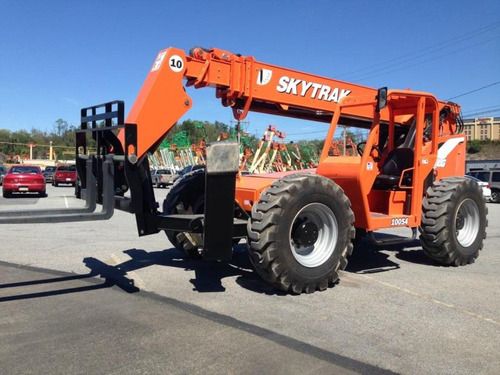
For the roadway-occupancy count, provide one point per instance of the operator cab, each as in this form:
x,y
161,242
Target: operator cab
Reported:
x,y
398,159
385,182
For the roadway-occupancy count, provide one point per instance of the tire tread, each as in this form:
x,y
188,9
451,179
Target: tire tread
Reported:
x,y
263,229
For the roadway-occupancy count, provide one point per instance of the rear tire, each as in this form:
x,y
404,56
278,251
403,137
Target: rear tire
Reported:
x,y
6,194
78,190
301,233
184,198
453,221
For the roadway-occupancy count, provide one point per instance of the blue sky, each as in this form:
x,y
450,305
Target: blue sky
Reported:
x,y
59,56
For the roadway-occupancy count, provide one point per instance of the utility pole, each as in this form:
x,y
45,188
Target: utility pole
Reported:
x,y
31,145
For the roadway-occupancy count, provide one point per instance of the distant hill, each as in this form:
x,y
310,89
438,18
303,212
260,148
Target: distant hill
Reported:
x,y
488,150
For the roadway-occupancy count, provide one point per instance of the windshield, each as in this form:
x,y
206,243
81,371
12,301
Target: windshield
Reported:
x,y
22,169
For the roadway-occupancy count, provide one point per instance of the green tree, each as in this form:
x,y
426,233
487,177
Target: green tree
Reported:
x,y
474,147
60,127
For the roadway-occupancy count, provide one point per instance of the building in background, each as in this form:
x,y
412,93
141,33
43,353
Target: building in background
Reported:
x,y
482,128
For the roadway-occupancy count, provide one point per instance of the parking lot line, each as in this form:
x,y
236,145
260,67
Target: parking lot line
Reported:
x,y
427,298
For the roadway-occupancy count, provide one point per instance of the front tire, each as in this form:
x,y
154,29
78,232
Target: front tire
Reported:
x,y
453,221
300,233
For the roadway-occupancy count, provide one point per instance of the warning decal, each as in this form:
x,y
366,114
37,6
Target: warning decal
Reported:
x,y
158,61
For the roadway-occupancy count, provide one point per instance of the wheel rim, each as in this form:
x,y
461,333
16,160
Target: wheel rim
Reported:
x,y
327,234
494,196
467,222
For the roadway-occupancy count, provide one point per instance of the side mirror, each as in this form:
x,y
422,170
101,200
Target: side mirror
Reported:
x,y
381,99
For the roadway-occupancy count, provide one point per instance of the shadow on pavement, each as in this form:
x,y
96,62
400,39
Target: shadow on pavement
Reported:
x,y
91,323
369,258
366,258
28,195
55,292
208,274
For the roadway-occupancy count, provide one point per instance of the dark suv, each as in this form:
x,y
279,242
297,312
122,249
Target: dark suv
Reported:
x,y
491,176
3,172
48,173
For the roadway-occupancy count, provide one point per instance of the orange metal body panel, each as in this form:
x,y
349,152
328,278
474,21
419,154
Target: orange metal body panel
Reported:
x,y
161,101
345,171
455,160
378,201
248,188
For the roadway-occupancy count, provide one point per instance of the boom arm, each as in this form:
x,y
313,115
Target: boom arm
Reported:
x,y
241,83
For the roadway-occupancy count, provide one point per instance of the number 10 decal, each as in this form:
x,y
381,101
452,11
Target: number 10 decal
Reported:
x,y
175,63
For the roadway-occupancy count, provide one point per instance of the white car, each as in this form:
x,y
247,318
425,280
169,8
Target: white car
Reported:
x,y
484,185
162,177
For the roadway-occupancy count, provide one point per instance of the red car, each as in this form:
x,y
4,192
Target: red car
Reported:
x,y
64,174
24,179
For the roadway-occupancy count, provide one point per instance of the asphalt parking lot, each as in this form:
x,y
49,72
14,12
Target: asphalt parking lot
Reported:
x,y
95,298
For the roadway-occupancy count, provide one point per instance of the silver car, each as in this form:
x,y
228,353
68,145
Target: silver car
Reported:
x,y
483,185
162,177
48,173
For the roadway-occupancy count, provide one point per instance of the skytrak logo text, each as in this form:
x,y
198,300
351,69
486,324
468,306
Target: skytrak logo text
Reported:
x,y
314,90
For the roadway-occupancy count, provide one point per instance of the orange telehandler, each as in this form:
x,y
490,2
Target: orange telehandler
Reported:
x,y
300,225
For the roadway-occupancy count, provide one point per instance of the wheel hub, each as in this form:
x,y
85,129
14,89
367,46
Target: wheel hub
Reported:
x,y
305,233
313,235
467,222
460,222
